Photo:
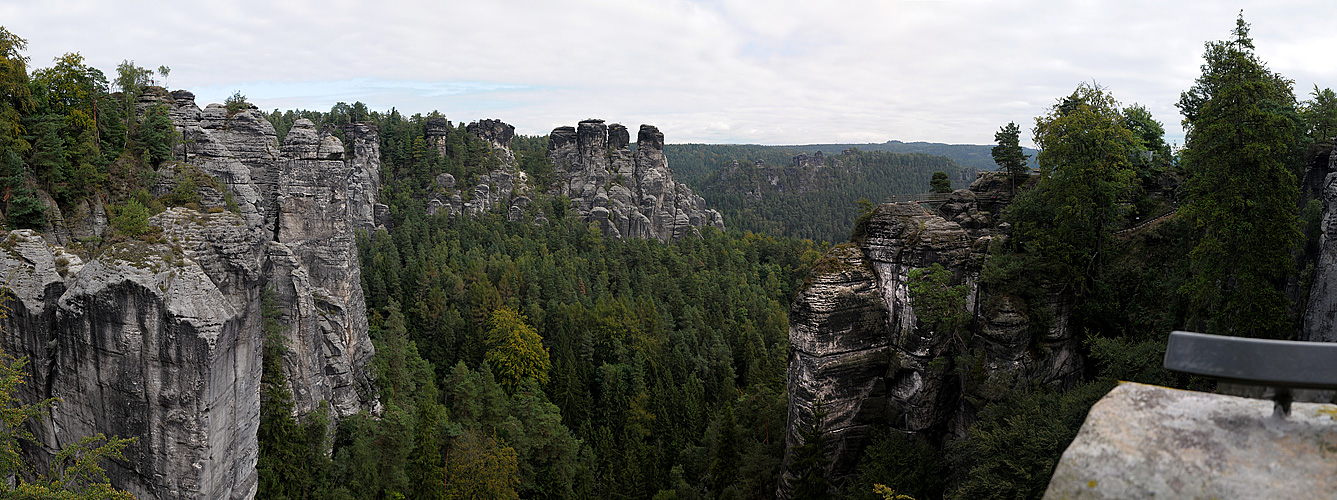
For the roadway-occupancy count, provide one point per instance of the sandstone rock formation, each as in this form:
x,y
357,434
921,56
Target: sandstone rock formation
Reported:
x,y
1320,319
859,347
504,188
162,341
629,195
1143,441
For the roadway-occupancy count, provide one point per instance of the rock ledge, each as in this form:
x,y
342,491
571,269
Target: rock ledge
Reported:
x,y
1143,441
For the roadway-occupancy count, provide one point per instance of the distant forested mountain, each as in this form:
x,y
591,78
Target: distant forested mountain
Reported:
x,y
976,156
777,191
694,162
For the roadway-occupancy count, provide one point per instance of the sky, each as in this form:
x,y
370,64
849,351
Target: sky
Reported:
x,y
706,71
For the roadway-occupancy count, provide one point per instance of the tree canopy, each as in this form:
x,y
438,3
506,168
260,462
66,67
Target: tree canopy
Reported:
x,y
1242,139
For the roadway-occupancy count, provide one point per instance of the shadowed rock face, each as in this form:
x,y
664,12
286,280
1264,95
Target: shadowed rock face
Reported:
x,y
859,348
142,343
1320,320
628,195
162,342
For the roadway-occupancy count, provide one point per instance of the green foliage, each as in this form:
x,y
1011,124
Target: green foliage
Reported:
x,y
939,305
1008,154
515,351
1151,155
1013,448
481,467
25,210
155,137
1241,156
803,200
1319,115
131,80
235,103
1085,176
889,493
940,182
131,219
292,463
810,461
904,463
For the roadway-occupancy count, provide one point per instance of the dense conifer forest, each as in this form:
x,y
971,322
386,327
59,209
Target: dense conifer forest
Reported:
x,y
521,360
818,197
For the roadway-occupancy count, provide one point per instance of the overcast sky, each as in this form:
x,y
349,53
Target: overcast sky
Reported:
x,y
725,71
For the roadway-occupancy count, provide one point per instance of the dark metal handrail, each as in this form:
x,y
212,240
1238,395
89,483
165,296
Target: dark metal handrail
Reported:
x,y
1280,364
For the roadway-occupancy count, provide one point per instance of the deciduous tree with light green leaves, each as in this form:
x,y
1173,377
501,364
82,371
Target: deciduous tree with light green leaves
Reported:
x,y
515,350
940,306
1086,174
1242,134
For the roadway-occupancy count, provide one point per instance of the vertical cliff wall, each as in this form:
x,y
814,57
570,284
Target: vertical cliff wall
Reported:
x,y
1320,319
162,341
858,347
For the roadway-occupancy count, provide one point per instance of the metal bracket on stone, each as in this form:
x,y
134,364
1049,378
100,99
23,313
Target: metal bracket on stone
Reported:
x,y
1280,364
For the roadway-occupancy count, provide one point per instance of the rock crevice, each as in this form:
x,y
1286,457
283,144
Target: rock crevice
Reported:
x,y
163,341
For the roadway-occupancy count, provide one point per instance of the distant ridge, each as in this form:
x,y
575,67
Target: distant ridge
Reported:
x,y
694,163
975,156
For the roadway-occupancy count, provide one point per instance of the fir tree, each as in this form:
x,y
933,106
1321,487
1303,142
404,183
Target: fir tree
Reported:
x,y
1242,134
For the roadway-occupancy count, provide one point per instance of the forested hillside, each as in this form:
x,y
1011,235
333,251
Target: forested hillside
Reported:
x,y
548,361
540,359
696,162
817,196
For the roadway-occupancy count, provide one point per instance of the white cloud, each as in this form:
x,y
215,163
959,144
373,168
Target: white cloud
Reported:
x,y
776,72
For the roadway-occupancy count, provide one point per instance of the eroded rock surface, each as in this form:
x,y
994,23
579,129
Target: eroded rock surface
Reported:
x,y
505,188
629,195
162,341
1320,320
859,347
142,343
1143,441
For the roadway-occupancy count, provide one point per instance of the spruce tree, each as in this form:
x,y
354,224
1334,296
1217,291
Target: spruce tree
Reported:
x,y
810,460
1242,136
941,183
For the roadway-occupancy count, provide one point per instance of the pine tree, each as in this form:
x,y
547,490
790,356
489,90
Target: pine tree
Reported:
x,y
810,460
1242,136
941,183
1008,154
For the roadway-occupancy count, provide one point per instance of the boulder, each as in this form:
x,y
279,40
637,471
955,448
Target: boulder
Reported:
x,y
1143,441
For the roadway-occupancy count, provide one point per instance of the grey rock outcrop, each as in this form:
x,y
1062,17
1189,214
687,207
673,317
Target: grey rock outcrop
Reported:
x,y
162,341
322,199
501,189
1320,318
629,195
139,342
858,346
1143,441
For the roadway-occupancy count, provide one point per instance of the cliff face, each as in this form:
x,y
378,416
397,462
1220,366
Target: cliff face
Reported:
x,y
162,341
1320,319
858,346
504,187
629,195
